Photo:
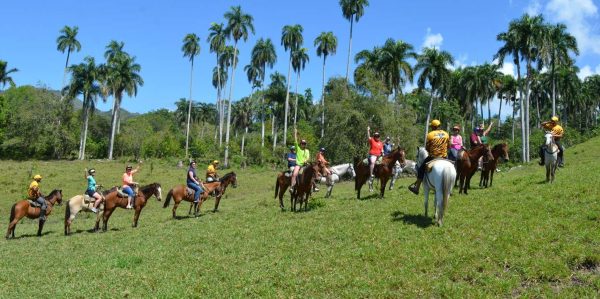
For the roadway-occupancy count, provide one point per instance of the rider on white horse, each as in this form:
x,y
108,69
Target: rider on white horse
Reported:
x,y
557,133
437,145
91,189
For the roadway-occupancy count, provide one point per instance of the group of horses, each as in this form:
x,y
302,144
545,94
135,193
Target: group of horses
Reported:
x,y
113,199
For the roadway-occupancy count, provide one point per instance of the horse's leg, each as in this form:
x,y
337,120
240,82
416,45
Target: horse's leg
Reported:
x,y
136,216
69,220
491,179
217,201
40,227
175,205
439,209
105,217
426,201
383,182
11,227
329,189
462,184
97,226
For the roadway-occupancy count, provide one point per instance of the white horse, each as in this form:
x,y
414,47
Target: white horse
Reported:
x,y
407,169
78,203
441,180
550,157
337,172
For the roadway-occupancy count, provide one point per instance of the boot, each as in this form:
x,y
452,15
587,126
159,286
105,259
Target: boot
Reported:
x,y
414,188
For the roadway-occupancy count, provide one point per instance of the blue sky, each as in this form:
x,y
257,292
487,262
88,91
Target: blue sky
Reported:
x,y
153,32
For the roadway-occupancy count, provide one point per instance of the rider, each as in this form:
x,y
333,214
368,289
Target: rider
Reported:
x,y
302,158
483,135
375,150
34,193
557,133
456,143
211,171
387,146
437,145
291,160
91,189
128,182
193,182
325,164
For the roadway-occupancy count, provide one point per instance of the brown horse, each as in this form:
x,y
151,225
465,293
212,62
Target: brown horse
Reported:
x,y
283,182
304,186
382,171
226,180
466,165
500,152
114,200
180,193
23,208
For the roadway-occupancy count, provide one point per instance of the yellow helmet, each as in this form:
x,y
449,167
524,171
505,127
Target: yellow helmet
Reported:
x,y
554,118
216,162
435,123
37,177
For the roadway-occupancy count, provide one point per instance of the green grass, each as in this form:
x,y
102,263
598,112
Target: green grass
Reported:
x,y
520,238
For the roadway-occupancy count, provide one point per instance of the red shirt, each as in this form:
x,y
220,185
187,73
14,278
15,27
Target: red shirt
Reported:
x,y
376,147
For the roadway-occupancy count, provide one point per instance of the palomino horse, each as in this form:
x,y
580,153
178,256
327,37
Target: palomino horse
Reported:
x,y
180,193
226,180
337,172
550,157
112,200
500,152
466,165
23,208
382,171
77,203
409,167
441,180
304,184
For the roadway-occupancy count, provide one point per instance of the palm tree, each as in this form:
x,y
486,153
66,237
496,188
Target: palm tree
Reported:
x,y
352,10
191,49
326,44
263,55
84,81
113,50
394,65
243,118
433,66
276,98
292,40
216,39
122,76
299,60
239,25
67,41
4,74
369,66
507,91
226,61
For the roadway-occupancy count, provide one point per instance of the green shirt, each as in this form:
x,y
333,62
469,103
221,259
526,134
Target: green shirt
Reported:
x,y
302,155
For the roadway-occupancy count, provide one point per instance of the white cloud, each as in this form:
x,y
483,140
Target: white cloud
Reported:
x,y
581,18
587,71
433,40
534,7
508,68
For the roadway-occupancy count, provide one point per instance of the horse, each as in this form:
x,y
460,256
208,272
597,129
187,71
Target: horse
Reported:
x,y
112,200
337,172
23,208
182,192
466,165
550,157
409,167
304,185
77,203
500,152
382,171
229,178
441,180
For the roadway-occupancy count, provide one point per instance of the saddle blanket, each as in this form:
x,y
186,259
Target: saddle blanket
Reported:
x,y
87,199
34,204
429,165
377,162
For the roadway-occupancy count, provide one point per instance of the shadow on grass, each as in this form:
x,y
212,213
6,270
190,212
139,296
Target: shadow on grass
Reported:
x,y
370,196
418,220
32,235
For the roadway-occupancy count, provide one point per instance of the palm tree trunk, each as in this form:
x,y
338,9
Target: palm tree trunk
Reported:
x,y
113,130
489,110
220,102
481,108
62,96
428,117
274,135
296,105
84,114
189,114
553,90
527,113
349,49
287,100
234,64
499,118
244,139
537,103
513,121
522,113
85,130
323,96
262,118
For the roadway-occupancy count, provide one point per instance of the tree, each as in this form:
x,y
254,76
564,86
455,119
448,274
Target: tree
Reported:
x,y
239,25
243,118
433,66
216,39
352,10
299,60
292,40
4,74
67,41
228,54
191,49
263,55
326,44
507,91
394,65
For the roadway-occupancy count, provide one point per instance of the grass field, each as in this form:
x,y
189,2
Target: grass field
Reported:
x,y
522,237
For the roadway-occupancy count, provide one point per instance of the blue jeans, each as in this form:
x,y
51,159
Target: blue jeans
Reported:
x,y
197,190
129,191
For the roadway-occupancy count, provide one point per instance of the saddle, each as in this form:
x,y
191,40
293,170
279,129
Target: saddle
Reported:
x,y
87,199
287,174
429,165
34,204
122,194
377,162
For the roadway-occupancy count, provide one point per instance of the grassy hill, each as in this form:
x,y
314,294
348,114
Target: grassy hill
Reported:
x,y
521,237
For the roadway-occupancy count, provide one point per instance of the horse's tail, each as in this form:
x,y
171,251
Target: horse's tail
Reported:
x,y
67,211
12,213
276,186
447,184
168,199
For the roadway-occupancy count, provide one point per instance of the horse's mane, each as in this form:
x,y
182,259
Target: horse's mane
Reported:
x,y
226,176
153,185
54,192
106,192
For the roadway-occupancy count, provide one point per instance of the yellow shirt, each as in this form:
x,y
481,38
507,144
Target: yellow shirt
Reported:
x,y
555,130
211,171
438,142
34,190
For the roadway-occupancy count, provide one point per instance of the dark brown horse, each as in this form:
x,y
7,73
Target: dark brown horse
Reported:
x,y
466,165
283,182
23,208
226,180
500,152
304,186
382,171
180,193
114,200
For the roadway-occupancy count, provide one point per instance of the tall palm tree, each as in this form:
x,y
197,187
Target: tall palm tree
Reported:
x,y
292,40
4,74
191,49
394,64
228,54
369,66
84,81
433,67
216,39
326,44
243,118
263,55
299,60
352,10
123,75
507,90
67,41
239,25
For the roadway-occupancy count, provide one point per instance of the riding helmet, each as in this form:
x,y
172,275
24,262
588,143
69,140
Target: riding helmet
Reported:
x,y
37,177
554,118
435,123
216,162
91,171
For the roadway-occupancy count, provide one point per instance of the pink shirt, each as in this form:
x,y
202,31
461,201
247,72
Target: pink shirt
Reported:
x,y
127,179
456,142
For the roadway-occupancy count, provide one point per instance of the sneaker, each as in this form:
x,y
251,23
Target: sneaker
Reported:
x,y
561,165
94,210
316,189
497,169
129,207
413,189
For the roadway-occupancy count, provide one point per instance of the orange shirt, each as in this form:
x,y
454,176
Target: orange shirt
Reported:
x,y
376,147
321,158
127,179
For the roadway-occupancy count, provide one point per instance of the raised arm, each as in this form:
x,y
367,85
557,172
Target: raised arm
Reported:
x,y
296,136
368,132
85,171
486,132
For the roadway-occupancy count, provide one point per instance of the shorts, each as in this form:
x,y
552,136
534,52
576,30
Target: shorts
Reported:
x,y
90,193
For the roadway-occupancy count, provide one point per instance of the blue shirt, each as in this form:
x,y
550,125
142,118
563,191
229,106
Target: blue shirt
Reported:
x,y
193,170
293,156
387,148
91,183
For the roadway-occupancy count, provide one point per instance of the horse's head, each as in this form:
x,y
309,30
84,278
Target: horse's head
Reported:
x,y
549,139
487,153
57,196
421,155
230,178
152,189
502,149
351,170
